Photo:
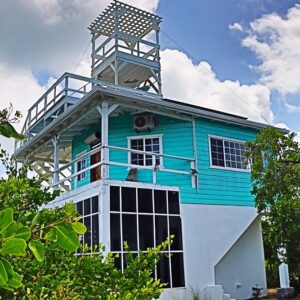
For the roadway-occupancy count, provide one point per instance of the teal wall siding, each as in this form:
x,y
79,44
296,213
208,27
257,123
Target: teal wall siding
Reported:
x,y
78,147
220,186
216,186
172,131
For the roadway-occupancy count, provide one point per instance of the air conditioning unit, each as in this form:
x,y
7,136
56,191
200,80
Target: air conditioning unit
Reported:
x,y
93,138
145,122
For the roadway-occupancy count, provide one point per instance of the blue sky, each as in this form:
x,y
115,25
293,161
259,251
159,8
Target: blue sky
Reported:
x,y
239,56
202,28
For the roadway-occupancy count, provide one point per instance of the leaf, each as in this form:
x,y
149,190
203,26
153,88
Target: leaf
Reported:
x,y
37,249
6,217
51,235
67,239
15,247
23,233
34,220
9,230
3,275
8,267
79,228
15,281
7,130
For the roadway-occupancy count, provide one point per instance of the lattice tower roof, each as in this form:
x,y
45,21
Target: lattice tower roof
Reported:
x,y
131,20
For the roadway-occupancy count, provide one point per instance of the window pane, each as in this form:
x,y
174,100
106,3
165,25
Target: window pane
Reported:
x,y
87,207
118,262
114,198
130,230
163,270
177,270
146,237
173,199
115,232
79,207
145,200
217,152
128,199
95,231
161,229
87,235
175,229
160,202
95,204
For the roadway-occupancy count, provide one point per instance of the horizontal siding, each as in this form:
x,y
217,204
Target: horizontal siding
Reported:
x,y
216,186
172,130
78,147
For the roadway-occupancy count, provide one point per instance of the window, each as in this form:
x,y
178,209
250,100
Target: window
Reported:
x,y
147,144
145,218
81,165
89,210
228,154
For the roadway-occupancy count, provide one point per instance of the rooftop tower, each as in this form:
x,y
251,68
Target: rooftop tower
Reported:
x,y
125,47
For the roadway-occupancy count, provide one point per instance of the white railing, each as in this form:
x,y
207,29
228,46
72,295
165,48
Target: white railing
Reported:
x,y
188,164
68,85
140,48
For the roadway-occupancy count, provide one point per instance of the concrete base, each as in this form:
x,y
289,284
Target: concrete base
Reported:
x,y
285,293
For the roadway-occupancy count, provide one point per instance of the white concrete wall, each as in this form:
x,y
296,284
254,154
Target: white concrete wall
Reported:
x,y
209,231
243,265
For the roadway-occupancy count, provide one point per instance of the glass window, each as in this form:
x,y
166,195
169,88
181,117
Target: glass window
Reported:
x,y
89,211
145,219
228,154
146,144
81,165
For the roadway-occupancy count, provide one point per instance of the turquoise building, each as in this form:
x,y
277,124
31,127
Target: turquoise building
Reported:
x,y
140,167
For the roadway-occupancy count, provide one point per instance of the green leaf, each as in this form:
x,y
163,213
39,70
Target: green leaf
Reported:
x,y
8,267
79,228
9,230
3,275
15,247
51,235
7,130
67,239
6,217
34,220
23,233
15,281
37,249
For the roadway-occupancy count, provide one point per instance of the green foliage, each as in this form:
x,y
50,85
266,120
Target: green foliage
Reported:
x,y
276,185
6,119
48,270
94,276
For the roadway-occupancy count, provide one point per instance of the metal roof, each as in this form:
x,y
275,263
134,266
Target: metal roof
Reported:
x,y
131,20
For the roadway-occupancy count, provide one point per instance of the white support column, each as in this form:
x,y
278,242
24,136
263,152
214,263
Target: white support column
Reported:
x,y
55,141
105,110
194,164
104,225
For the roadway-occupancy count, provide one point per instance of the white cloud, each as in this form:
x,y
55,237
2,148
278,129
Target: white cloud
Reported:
x,y
276,42
198,84
235,26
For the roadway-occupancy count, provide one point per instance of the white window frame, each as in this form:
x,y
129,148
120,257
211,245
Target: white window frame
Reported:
x,y
168,251
83,175
150,136
226,168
